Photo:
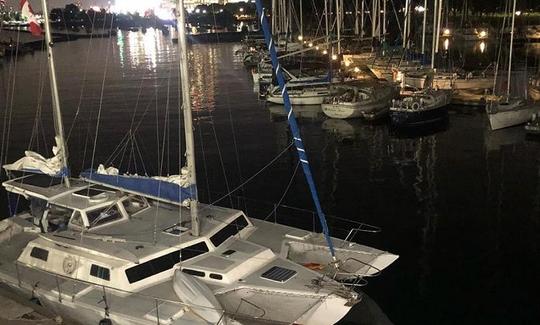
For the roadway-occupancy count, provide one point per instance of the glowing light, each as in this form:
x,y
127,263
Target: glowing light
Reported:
x,y
446,32
518,13
310,44
132,6
325,52
197,11
446,44
347,63
482,34
482,47
356,69
241,9
96,8
317,48
300,37
420,8
334,57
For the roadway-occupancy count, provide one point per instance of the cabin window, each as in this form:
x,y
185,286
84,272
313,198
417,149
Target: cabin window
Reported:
x,y
164,262
101,217
194,272
229,230
134,204
40,253
100,272
216,276
57,217
76,220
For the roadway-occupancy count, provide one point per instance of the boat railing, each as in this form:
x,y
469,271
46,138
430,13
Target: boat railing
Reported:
x,y
349,239
66,289
297,217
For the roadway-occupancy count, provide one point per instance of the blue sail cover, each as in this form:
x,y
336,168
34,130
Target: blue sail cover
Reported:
x,y
146,186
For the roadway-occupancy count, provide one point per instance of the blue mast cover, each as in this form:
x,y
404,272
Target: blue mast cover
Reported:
x,y
293,125
158,189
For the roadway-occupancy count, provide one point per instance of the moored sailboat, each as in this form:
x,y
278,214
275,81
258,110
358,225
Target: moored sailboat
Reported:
x,y
360,100
420,108
113,248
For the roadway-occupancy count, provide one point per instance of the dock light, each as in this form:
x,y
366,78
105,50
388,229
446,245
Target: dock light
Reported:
x,y
325,52
241,9
518,13
356,69
310,44
334,57
446,32
482,47
317,48
300,37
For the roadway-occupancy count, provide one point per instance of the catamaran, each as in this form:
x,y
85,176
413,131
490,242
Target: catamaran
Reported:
x,y
120,249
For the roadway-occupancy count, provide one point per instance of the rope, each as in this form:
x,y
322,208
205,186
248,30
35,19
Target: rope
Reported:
x,y
254,175
101,97
284,193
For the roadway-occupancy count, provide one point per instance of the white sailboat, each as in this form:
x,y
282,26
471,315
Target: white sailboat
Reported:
x,y
369,101
505,111
116,249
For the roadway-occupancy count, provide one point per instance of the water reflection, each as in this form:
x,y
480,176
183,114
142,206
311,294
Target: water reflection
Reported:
x,y
204,66
136,50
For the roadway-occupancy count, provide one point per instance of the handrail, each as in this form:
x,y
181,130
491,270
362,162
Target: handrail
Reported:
x,y
352,233
376,274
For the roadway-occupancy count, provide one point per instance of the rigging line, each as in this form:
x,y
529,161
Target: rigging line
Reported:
x,y
37,118
83,86
101,95
284,193
254,175
205,167
166,123
8,135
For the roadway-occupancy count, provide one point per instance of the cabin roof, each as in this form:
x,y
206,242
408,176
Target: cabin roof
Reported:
x,y
143,234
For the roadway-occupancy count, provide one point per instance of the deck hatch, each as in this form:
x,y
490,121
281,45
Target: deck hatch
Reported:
x,y
278,274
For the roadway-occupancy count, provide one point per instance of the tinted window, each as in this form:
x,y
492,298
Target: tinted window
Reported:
x,y
100,272
193,272
216,276
164,263
230,230
134,204
40,253
100,217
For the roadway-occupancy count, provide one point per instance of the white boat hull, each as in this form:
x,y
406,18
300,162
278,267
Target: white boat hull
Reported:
x,y
307,98
342,110
511,117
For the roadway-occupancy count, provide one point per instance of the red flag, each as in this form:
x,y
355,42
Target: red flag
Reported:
x,y
26,11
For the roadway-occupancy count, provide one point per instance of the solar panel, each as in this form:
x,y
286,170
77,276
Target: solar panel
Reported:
x,y
278,274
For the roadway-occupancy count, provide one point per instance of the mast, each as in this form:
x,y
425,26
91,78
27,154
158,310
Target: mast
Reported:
x,y
338,25
57,112
356,26
186,108
406,16
297,139
424,29
511,48
435,36
274,18
439,21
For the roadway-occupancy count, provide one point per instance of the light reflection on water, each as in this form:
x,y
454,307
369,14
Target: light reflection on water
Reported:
x,y
457,204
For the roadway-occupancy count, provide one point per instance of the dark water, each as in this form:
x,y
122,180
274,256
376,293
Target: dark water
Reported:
x,y
460,204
